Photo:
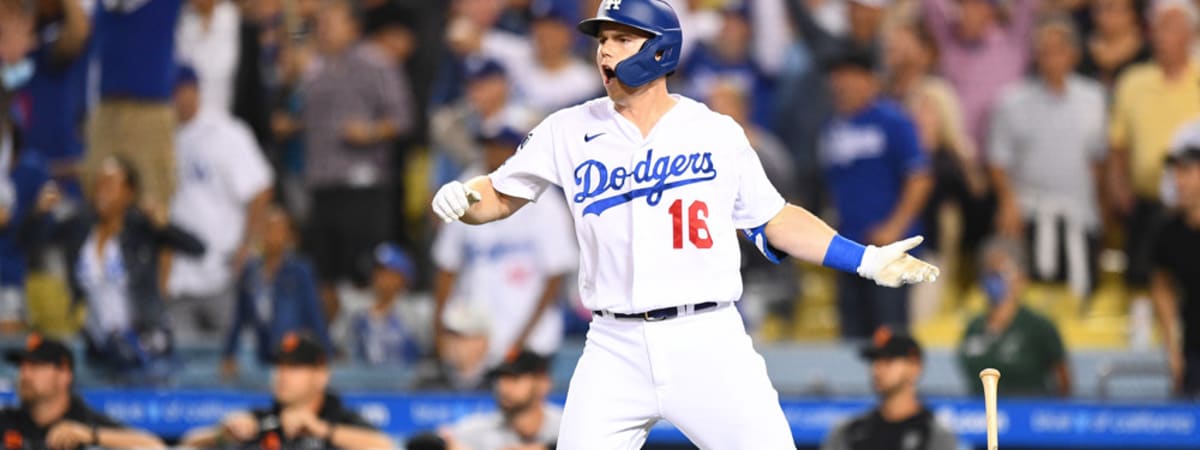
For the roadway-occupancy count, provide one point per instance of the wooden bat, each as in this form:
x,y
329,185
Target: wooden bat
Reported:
x,y
990,379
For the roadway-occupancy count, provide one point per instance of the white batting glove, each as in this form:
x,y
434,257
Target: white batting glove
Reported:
x,y
892,266
453,199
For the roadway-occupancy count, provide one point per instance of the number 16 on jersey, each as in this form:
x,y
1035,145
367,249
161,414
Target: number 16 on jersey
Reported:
x,y
697,228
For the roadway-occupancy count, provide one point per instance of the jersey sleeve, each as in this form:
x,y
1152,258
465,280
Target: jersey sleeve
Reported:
x,y
448,250
531,169
757,199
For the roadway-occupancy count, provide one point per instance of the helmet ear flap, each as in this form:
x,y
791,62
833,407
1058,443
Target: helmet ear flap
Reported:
x,y
658,57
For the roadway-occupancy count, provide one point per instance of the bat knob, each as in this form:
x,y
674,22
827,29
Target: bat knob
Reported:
x,y
987,373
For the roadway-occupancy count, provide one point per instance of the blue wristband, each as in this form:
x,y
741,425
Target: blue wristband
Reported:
x,y
843,254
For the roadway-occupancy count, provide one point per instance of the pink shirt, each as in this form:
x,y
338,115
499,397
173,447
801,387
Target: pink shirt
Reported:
x,y
980,70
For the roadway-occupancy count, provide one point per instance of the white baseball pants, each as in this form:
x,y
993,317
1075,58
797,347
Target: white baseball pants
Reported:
x,y
699,372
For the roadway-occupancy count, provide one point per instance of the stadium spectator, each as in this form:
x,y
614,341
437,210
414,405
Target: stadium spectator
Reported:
x,y
206,39
276,295
1175,280
728,59
804,100
879,180
512,269
116,250
22,171
380,334
355,107
557,78
304,412
224,188
50,414
900,421
1047,176
1022,344
134,119
1116,42
488,107
462,353
57,92
524,418
984,46
27,175
471,33
1152,101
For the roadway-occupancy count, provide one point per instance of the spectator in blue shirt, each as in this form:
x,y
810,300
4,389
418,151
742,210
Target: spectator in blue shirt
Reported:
x,y
728,59
276,294
57,91
379,333
877,175
135,47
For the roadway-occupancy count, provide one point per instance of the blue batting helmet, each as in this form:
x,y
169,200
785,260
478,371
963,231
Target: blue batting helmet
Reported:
x,y
660,54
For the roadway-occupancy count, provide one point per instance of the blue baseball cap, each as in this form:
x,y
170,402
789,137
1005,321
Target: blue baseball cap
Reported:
x,y
478,68
505,135
185,74
561,10
392,257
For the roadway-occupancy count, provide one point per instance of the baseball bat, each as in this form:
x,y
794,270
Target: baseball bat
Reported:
x,y
990,379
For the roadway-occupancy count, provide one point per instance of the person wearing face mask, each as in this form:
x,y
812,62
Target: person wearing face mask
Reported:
x,y
1024,345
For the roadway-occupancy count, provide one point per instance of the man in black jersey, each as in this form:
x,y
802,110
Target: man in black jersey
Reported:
x,y
304,414
50,415
901,421
1175,275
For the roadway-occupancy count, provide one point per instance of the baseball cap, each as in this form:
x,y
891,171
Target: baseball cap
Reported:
x,y
185,74
526,362
889,344
299,349
559,10
849,55
479,68
387,15
41,350
1179,155
392,257
465,319
505,135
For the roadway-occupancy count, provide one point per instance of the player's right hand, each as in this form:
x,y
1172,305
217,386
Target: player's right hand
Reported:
x,y
453,199
892,266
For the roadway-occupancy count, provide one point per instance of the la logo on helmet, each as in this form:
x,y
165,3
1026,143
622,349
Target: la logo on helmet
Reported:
x,y
612,4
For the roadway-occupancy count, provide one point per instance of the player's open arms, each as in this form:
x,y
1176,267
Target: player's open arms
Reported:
x,y
793,230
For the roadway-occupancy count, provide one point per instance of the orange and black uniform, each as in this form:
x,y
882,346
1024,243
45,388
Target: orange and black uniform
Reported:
x,y
18,432
270,434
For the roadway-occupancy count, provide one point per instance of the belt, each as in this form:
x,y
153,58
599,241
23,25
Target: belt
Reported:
x,y
656,315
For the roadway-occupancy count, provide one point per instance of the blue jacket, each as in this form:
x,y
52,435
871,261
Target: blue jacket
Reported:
x,y
294,306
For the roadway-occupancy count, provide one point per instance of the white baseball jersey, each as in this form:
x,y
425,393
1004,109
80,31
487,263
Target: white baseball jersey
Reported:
x,y
503,267
220,170
656,217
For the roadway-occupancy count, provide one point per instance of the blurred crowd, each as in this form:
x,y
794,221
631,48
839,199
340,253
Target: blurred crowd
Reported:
x,y
221,172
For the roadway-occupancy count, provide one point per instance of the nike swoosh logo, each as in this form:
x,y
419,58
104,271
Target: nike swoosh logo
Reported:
x,y
587,138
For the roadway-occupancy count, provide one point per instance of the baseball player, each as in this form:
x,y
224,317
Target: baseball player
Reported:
x,y
658,185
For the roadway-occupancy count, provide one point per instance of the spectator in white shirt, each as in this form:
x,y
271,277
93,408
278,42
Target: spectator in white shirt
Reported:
x,y
207,40
224,188
557,78
513,269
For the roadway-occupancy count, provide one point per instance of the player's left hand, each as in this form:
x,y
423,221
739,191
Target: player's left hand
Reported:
x,y
68,434
892,266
